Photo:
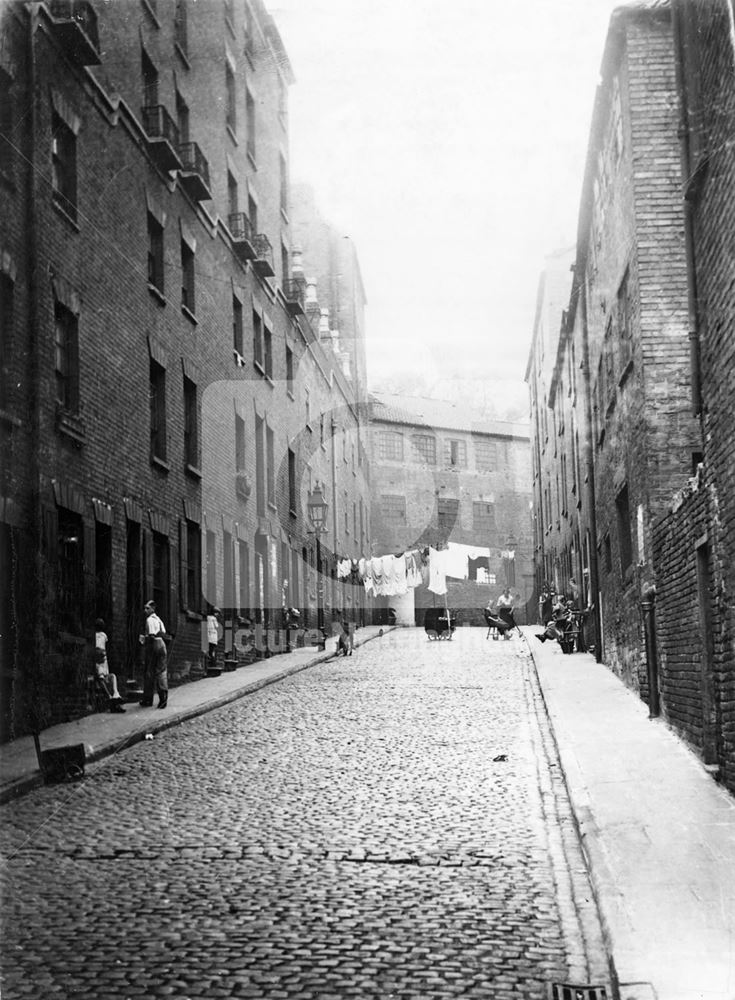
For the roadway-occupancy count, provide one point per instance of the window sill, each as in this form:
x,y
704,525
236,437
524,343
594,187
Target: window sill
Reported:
x,y
189,314
272,506
192,470
157,294
182,55
290,395
231,133
70,425
64,214
230,26
270,381
251,157
193,616
238,358
292,512
160,463
259,368
284,214
151,13
309,428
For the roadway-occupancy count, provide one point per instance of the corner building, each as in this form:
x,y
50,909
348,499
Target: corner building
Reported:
x,y
160,374
442,473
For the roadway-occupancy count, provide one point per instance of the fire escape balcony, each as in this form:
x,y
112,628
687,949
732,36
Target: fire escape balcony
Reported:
x,y
242,235
294,290
263,262
163,136
194,171
75,25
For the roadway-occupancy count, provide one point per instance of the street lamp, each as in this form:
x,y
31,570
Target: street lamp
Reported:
x,y
318,507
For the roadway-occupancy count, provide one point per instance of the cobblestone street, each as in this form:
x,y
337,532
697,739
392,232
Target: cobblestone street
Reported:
x,y
345,832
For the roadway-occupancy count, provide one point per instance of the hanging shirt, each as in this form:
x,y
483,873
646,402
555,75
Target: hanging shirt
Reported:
x,y
437,571
399,576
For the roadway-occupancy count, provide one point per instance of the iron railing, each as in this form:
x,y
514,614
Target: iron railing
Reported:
x,y
194,161
263,248
82,13
159,124
294,290
239,225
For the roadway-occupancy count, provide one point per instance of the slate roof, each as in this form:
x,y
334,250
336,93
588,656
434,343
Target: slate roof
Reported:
x,y
440,414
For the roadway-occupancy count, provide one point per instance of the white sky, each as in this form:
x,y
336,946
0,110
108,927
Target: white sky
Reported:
x,y
447,139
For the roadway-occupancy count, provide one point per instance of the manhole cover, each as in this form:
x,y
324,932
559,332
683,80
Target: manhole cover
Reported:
x,y
569,991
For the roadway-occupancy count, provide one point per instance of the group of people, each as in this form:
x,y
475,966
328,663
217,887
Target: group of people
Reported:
x,y
155,673
556,610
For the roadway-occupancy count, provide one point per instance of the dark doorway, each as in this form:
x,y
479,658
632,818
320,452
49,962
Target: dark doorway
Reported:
x,y
133,597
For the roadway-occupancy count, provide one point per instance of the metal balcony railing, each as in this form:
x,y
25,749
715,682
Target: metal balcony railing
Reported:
x,y
239,225
80,15
193,160
159,124
263,248
294,291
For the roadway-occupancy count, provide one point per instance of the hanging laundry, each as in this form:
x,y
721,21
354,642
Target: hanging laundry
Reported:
x,y
399,577
413,571
437,571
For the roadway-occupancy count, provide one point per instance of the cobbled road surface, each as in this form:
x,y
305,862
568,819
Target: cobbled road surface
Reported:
x,y
345,832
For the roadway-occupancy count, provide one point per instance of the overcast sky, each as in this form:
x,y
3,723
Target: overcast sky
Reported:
x,y
447,139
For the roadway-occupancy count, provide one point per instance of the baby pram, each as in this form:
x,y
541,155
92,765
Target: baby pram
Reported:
x,y
439,623
500,626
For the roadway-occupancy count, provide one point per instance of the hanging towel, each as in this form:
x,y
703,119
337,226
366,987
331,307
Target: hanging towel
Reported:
x,y
413,572
399,577
456,561
437,571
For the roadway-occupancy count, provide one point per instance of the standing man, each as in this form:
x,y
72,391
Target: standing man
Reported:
x,y
155,674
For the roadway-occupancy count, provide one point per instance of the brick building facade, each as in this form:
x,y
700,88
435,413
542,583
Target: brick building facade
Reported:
x,y
442,473
162,386
694,542
643,355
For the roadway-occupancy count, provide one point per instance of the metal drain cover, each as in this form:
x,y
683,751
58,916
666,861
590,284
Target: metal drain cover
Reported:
x,y
571,991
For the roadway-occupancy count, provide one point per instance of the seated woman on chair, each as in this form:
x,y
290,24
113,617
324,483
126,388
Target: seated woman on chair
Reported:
x,y
108,680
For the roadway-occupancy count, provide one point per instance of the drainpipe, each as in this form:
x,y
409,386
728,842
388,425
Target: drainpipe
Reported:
x,y
590,468
692,305
648,608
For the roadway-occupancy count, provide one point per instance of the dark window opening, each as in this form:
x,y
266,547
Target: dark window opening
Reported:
x,y
150,81
70,580
67,358
162,577
193,566
292,497
155,252
231,106
64,166
187,277
257,339
271,465
158,410
237,328
191,423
